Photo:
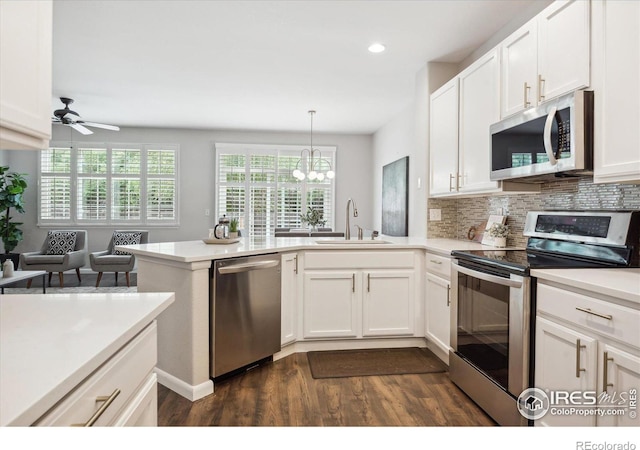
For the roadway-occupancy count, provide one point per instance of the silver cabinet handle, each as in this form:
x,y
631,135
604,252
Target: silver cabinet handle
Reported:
x,y
588,311
527,88
295,269
368,282
107,402
541,82
458,176
578,368
451,177
605,372
448,294
353,282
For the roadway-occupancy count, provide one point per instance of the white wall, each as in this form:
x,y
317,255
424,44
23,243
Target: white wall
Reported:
x,y
196,190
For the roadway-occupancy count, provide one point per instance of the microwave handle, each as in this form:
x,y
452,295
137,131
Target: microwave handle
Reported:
x,y
548,148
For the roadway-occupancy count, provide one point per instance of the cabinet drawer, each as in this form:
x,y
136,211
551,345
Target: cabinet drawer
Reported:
x,y
358,260
439,265
125,371
619,322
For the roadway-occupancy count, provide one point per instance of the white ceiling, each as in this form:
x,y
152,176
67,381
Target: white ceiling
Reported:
x,y
258,65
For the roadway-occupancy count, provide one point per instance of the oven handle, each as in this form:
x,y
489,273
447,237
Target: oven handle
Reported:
x,y
486,277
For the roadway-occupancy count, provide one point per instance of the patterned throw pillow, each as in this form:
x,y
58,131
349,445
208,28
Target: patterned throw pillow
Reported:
x,y
125,238
60,242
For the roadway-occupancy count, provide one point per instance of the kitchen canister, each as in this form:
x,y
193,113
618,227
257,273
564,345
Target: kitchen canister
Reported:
x,y
7,269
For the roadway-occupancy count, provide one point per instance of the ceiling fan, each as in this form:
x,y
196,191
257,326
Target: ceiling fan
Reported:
x,y
71,118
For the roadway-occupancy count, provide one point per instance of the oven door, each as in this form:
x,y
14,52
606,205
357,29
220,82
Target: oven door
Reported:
x,y
490,320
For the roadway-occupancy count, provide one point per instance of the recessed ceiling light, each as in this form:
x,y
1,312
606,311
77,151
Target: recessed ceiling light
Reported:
x,y
376,48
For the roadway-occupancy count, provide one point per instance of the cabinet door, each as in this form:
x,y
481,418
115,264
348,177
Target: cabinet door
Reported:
x,y
620,379
616,83
563,48
25,74
289,297
479,108
388,303
443,140
565,361
519,70
330,307
438,320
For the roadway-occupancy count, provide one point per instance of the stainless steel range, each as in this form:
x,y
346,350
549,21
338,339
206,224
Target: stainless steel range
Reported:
x,y
493,308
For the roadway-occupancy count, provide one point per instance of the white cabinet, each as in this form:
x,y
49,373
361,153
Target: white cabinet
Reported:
x,y
330,306
437,305
289,298
25,74
547,57
388,303
443,140
616,83
122,392
479,108
353,294
588,345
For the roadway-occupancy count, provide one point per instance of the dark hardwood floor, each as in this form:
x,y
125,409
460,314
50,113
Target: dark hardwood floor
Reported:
x,y
283,393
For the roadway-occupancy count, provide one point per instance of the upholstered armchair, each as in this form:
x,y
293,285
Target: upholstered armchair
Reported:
x,y
62,250
112,260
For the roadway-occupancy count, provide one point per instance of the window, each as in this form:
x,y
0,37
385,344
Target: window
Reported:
x,y
255,184
109,184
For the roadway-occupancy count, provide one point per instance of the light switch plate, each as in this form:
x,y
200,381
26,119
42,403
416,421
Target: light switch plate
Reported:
x,y
435,215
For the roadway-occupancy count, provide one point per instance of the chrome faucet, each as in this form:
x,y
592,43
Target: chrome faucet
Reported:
x,y
347,232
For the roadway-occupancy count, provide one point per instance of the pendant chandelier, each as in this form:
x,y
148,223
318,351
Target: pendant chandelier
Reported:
x,y
313,168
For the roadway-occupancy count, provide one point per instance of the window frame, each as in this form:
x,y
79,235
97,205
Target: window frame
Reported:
x,y
109,177
297,151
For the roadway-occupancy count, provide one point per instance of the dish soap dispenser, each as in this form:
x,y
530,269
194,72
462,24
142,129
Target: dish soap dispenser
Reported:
x,y
7,269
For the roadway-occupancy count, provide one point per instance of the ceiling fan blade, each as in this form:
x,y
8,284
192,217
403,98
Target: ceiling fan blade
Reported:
x,y
79,128
101,125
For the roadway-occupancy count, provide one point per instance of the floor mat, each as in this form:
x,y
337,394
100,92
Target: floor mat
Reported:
x,y
382,361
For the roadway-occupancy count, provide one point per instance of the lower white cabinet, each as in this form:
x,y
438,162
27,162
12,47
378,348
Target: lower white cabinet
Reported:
x,y
358,294
289,298
587,345
330,304
437,305
123,392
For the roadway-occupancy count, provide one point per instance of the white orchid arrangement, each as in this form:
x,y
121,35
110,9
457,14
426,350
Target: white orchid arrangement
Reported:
x,y
498,230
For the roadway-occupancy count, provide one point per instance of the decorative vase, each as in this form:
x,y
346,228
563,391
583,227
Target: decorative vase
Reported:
x,y
500,242
7,269
233,234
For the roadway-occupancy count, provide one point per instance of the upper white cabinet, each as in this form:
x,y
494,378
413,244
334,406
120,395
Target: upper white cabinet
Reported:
x,y
547,57
443,140
479,108
616,83
25,74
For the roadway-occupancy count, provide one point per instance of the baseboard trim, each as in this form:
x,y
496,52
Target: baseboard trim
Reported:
x,y
348,344
191,393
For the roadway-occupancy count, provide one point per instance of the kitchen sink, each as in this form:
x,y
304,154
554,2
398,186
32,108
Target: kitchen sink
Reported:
x,y
352,241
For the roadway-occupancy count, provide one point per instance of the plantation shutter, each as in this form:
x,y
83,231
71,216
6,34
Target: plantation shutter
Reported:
x,y
92,184
55,184
161,185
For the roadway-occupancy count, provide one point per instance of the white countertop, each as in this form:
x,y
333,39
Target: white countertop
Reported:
x,y
51,342
619,283
192,251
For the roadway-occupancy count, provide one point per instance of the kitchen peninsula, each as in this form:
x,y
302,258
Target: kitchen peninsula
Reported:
x,y
184,268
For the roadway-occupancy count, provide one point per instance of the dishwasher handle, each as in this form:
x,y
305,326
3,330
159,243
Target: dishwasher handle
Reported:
x,y
246,267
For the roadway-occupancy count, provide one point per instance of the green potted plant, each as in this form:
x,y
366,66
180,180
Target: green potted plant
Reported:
x,y
313,218
499,233
12,186
233,228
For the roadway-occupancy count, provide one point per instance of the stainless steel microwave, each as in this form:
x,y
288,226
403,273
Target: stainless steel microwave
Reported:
x,y
552,140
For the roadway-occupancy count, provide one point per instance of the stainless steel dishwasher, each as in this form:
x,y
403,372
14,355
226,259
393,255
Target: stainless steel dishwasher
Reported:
x,y
245,312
